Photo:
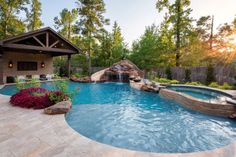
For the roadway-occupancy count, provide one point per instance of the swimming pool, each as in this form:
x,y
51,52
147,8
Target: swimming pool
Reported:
x,y
115,114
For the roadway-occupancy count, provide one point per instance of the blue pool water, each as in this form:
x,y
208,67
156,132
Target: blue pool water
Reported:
x,y
120,116
200,93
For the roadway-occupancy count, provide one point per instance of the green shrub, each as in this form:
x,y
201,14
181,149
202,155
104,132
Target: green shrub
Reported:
x,y
165,80
187,75
168,73
56,76
214,85
174,82
194,83
22,85
78,75
210,76
63,87
162,80
226,86
56,97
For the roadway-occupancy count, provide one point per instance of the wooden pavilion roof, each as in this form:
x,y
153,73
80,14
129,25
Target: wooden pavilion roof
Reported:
x,y
42,41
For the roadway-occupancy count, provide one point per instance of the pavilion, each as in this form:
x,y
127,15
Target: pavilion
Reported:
x,y
32,54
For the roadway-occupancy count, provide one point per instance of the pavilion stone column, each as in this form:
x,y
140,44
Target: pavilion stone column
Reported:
x,y
69,65
1,68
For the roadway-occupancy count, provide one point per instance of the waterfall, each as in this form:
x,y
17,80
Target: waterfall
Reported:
x,y
119,73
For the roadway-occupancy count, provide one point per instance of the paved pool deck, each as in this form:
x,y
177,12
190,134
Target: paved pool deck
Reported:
x,y
30,133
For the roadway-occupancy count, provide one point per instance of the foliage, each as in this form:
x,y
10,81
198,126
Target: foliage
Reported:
x,y
10,23
165,80
24,85
146,52
33,16
78,75
194,83
179,17
91,24
214,85
56,97
225,86
187,75
66,22
35,98
168,73
174,82
63,87
210,77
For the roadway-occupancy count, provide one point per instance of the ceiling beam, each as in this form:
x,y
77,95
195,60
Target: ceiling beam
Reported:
x,y
35,38
24,38
47,39
38,48
54,43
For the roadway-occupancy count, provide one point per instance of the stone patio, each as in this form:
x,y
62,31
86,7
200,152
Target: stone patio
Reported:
x,y
30,133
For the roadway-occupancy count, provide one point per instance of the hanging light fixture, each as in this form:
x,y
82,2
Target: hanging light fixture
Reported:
x,y
10,64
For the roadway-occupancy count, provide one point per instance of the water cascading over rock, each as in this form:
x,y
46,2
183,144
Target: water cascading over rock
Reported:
x,y
119,72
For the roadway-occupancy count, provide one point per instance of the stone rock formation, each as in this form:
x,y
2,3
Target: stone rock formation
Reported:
x,y
119,72
59,108
81,80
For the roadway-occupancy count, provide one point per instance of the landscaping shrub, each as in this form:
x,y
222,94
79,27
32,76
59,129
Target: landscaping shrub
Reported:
x,y
187,75
164,80
210,75
57,96
194,83
214,85
168,73
22,85
78,75
63,87
35,98
174,82
226,86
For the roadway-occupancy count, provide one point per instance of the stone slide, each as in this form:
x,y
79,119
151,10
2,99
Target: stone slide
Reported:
x,y
98,75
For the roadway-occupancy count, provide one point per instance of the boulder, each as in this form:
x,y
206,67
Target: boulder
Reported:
x,y
82,80
59,108
122,71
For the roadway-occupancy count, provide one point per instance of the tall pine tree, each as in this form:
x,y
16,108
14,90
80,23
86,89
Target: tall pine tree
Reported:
x,y
91,22
33,16
10,23
66,22
179,16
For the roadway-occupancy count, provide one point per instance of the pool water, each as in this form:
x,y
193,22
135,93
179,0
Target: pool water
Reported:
x,y
202,94
123,117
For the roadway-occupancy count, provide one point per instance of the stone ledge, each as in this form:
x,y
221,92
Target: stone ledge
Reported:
x,y
217,109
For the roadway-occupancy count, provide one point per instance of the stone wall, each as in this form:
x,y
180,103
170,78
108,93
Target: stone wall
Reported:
x,y
15,57
217,109
222,74
1,70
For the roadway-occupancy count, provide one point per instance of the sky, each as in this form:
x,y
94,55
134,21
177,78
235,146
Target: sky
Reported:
x,y
134,15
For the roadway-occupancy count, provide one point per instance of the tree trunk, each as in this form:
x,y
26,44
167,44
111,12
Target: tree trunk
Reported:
x,y
211,36
178,35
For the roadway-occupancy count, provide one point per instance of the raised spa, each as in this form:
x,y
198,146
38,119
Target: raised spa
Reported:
x,y
115,114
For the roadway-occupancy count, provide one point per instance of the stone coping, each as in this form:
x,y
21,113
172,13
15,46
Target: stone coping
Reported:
x,y
30,133
225,92
212,108
8,84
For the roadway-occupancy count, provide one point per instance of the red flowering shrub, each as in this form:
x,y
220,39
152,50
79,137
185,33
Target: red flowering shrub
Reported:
x,y
36,98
